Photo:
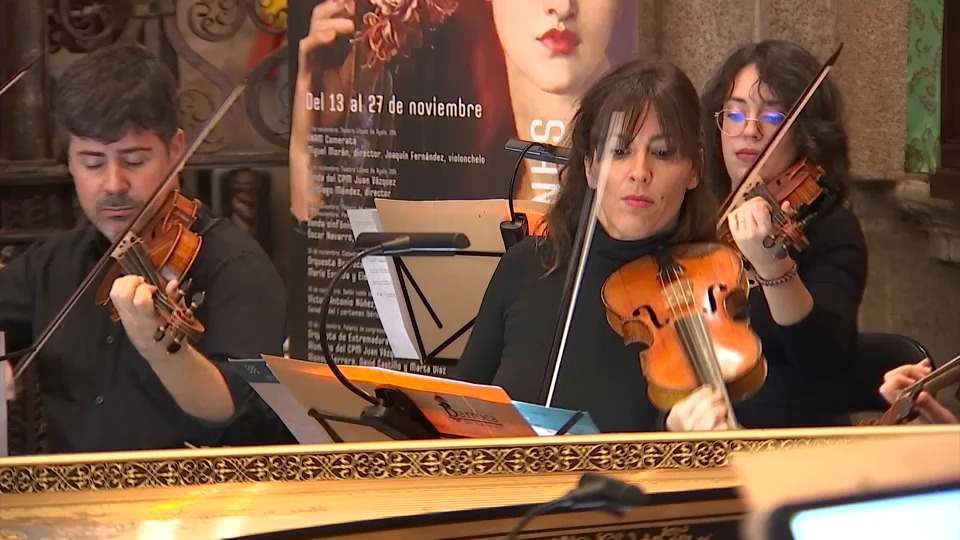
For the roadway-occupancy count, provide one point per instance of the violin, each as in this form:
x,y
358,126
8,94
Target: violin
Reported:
x,y
903,409
688,305
799,185
162,251
158,245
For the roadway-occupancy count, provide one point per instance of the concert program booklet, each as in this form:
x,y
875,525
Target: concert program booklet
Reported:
x,y
456,409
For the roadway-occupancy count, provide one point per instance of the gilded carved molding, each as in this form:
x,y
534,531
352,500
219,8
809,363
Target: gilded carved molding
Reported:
x,y
428,459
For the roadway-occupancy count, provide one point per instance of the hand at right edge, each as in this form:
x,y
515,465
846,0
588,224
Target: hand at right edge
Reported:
x,y
899,378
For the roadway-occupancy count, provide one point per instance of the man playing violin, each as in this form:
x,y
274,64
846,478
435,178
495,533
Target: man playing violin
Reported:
x,y
931,410
805,306
111,386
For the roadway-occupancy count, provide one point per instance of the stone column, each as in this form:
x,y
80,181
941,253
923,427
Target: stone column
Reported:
x,y
23,109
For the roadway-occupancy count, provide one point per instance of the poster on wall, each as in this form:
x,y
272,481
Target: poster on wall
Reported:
x,y
414,100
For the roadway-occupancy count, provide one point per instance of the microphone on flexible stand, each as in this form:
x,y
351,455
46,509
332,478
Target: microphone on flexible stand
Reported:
x,y
517,228
594,491
390,410
420,244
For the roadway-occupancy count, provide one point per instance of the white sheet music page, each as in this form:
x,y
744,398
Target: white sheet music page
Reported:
x,y
3,400
382,278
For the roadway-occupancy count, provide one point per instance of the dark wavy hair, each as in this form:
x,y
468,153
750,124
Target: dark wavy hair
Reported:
x,y
787,69
637,88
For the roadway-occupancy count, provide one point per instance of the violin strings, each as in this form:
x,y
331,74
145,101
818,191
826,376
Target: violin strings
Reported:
x,y
702,346
135,261
148,271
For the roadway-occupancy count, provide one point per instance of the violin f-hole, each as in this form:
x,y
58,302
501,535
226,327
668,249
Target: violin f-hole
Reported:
x,y
712,297
650,313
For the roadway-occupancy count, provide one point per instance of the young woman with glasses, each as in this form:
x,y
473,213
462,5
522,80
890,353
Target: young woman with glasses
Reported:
x,y
804,306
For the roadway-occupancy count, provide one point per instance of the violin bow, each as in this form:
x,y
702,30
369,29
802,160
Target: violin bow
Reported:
x,y
125,238
614,131
903,407
19,75
751,178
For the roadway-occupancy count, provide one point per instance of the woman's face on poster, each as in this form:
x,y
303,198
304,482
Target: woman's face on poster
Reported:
x,y
559,45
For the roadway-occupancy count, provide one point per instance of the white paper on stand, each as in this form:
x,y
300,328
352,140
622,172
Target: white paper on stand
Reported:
x,y
382,277
291,412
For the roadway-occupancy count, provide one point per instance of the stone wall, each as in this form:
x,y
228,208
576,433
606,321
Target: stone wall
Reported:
x,y
698,34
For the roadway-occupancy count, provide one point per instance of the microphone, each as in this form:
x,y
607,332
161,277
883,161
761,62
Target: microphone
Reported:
x,y
422,243
517,228
389,409
538,151
594,491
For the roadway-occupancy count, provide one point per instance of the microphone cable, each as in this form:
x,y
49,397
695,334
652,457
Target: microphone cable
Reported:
x,y
594,491
515,230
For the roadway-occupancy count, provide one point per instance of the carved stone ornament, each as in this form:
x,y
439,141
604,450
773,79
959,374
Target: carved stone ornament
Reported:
x,y
940,218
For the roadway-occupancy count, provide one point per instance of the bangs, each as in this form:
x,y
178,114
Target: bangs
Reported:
x,y
639,103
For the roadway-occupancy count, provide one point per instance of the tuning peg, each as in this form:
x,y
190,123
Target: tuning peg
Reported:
x,y
781,252
175,345
769,241
197,300
185,286
160,333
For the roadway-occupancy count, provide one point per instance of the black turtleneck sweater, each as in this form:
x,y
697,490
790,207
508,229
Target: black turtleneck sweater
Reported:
x,y
809,363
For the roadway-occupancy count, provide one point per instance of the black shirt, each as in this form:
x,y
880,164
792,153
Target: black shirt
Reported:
x,y
809,363
98,392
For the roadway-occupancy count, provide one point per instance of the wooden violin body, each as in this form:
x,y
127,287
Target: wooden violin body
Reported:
x,y
162,251
800,186
689,307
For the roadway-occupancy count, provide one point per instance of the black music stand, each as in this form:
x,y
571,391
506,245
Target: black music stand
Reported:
x,y
404,277
409,286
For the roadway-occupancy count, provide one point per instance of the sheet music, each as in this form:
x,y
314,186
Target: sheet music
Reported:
x,y
453,407
382,278
4,450
291,412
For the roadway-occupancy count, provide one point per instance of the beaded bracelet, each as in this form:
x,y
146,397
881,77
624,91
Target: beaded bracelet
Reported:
x,y
790,274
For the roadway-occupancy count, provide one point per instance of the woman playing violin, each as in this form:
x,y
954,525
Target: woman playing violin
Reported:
x,y
653,197
805,305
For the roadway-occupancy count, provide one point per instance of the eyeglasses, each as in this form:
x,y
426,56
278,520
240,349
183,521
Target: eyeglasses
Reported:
x,y
732,122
